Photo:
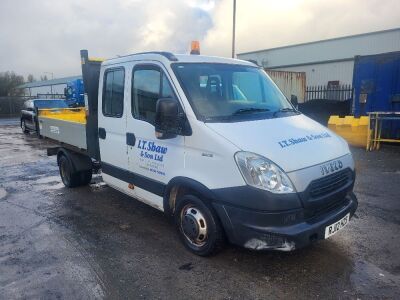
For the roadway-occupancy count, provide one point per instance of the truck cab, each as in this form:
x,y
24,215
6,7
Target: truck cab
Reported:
x,y
214,144
214,141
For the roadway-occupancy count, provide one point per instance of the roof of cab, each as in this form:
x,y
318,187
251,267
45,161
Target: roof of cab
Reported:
x,y
167,58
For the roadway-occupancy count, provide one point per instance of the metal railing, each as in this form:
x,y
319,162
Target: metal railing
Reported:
x,y
375,126
11,106
326,92
50,96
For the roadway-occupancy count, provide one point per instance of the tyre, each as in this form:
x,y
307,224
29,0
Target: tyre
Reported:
x,y
23,127
198,226
85,177
68,176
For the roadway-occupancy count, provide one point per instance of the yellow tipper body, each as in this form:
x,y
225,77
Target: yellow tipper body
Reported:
x,y
76,115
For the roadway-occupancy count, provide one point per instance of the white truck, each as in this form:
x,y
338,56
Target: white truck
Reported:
x,y
213,143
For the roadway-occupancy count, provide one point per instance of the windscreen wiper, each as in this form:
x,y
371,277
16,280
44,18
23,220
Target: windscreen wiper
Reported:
x,y
286,109
249,110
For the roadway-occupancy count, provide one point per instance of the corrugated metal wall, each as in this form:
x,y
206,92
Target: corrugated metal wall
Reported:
x,y
320,74
327,60
55,89
326,50
290,83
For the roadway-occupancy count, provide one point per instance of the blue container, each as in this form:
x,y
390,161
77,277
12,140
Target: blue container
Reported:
x,y
376,83
74,95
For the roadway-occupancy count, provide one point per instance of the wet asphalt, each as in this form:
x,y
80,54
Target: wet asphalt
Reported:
x,y
94,242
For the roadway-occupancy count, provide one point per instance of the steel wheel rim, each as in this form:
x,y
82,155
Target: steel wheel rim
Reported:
x,y
193,225
64,173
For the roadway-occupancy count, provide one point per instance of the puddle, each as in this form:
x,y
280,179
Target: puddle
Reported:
x,y
98,185
3,193
55,186
49,183
50,179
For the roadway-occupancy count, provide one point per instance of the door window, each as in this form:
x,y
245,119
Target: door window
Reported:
x,y
113,93
148,85
166,90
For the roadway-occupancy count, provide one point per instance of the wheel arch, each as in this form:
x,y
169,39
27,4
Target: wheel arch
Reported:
x,y
179,186
78,161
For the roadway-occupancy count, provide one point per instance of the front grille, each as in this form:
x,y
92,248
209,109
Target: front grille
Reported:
x,y
330,183
330,207
324,208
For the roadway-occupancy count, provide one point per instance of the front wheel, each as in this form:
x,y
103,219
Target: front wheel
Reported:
x,y
198,226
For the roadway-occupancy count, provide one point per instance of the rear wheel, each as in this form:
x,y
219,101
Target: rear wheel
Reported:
x,y
198,226
85,177
68,176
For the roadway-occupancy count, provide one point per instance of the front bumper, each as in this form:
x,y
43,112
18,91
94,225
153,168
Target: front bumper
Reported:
x,y
284,230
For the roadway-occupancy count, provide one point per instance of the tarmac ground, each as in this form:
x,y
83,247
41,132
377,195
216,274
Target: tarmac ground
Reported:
x,y
94,242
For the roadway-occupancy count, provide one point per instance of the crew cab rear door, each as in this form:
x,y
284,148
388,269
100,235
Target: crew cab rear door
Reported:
x,y
112,124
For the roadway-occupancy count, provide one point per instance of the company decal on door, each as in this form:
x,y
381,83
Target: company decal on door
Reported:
x,y
152,156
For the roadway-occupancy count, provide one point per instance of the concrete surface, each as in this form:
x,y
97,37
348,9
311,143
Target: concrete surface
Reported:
x,y
94,242
9,121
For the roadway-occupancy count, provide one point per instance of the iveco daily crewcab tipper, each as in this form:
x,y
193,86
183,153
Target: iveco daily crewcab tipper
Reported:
x,y
213,143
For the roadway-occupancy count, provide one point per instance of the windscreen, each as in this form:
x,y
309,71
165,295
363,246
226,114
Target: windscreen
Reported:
x,y
50,104
219,92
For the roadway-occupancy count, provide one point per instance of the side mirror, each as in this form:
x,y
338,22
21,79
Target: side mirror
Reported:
x,y
65,92
294,101
167,119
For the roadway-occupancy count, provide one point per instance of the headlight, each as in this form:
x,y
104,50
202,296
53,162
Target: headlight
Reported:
x,y
262,173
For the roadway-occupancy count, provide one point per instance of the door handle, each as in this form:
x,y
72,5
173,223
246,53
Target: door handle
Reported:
x,y
130,139
102,133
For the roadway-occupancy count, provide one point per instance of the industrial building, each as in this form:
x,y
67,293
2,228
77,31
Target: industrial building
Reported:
x,y
47,88
326,62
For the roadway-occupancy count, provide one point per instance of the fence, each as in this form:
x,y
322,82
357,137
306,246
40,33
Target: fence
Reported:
x,y
323,101
326,92
50,96
11,106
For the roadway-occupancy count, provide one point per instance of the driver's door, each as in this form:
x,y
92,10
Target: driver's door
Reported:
x,y
152,161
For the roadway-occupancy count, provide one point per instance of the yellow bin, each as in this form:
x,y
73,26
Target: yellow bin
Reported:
x,y
353,130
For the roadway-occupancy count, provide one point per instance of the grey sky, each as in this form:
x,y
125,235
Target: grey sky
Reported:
x,y
39,36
